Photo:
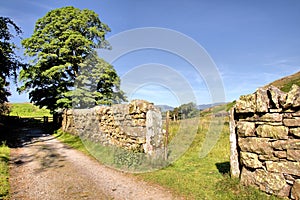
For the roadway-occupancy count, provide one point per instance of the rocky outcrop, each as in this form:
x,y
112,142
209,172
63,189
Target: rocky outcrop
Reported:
x,y
266,126
136,126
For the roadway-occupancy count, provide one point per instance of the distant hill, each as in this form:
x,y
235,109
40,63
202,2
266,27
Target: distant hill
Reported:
x,y
205,106
286,83
220,108
164,108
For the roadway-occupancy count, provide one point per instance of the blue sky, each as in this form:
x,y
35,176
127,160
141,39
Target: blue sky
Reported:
x,y
251,42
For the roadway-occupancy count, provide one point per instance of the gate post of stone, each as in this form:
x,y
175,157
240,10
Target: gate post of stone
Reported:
x,y
154,138
234,157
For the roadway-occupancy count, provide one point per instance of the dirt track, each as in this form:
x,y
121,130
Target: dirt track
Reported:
x,y
47,169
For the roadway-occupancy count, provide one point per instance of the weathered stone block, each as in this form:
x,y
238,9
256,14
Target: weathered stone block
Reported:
x,y
280,154
277,132
271,117
293,97
139,106
247,177
275,110
271,183
246,103
277,97
293,155
287,167
289,179
250,160
292,122
285,191
295,131
139,122
255,145
262,100
287,115
246,129
286,144
296,114
248,117
295,192
269,123
135,131
269,157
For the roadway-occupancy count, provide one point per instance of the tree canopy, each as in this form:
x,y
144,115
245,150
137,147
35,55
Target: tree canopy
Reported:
x,y
63,42
188,110
97,82
9,61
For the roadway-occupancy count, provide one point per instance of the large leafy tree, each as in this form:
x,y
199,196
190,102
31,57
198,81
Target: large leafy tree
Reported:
x,y
61,43
188,110
9,61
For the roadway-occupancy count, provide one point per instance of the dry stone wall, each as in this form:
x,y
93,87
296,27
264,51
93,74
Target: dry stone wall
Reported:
x,y
265,141
136,126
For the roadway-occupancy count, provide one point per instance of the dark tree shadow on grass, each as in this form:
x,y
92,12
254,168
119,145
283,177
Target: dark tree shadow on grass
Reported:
x,y
224,167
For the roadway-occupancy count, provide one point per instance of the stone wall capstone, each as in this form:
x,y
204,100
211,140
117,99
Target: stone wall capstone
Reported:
x,y
136,126
265,141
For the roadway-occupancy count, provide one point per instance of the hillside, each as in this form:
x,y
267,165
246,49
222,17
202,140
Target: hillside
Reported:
x,y
286,83
27,110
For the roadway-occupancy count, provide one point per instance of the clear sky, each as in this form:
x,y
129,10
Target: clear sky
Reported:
x,y
251,42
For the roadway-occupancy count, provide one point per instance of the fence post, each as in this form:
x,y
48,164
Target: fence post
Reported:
x,y
167,134
45,119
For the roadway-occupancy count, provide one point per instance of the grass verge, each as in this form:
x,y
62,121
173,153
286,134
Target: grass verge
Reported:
x,y
71,140
4,173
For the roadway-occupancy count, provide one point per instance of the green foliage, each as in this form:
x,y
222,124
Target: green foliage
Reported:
x,y
189,110
97,83
9,62
4,175
184,111
28,110
61,44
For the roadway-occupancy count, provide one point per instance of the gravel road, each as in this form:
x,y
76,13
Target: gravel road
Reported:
x,y
44,168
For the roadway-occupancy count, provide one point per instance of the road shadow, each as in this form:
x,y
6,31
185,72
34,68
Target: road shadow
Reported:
x,y
17,132
223,168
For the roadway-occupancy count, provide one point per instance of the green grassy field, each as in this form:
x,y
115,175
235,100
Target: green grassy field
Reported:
x,y
4,175
194,177
28,110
